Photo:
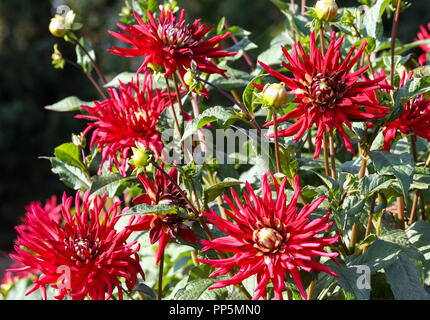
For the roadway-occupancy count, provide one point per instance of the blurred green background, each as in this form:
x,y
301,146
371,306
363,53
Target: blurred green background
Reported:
x,y
28,82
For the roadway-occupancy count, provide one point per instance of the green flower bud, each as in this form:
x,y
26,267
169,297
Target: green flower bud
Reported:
x,y
141,158
274,94
189,78
57,58
326,9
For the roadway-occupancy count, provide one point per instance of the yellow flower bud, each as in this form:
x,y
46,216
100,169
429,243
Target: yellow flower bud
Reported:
x,y
57,26
275,94
326,9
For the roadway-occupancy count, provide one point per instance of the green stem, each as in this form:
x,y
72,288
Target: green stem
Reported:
x,y
275,126
393,39
96,67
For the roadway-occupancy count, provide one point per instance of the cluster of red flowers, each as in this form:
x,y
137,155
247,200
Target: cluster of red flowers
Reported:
x,y
267,237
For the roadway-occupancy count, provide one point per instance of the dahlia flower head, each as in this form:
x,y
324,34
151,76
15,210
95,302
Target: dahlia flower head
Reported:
x,y
327,93
82,255
130,115
163,226
52,211
424,34
269,239
415,118
169,43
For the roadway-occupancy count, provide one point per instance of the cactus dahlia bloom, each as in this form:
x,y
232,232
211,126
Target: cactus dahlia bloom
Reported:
x,y
81,255
163,226
51,211
171,44
414,118
269,239
424,34
130,115
327,93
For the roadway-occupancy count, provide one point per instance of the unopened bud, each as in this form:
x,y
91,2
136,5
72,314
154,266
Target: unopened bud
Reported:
x,y
326,9
141,158
155,67
57,26
57,58
79,140
275,94
189,78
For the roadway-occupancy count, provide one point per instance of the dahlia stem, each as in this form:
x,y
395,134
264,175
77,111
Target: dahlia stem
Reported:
x,y
250,118
369,222
393,39
96,67
332,156
174,113
353,238
218,199
245,55
160,277
303,7
275,126
322,38
401,212
325,148
418,194
311,289
89,76
178,96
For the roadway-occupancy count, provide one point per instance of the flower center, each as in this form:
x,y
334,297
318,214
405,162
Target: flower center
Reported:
x,y
267,239
84,248
325,89
174,36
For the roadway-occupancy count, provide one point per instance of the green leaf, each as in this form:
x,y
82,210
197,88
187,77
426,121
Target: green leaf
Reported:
x,y
419,236
372,21
109,183
210,193
411,89
72,176
402,166
82,59
248,94
209,115
274,55
156,209
70,154
405,280
236,78
348,280
69,104
124,77
421,72
243,45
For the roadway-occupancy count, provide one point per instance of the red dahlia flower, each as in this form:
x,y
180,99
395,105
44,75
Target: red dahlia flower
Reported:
x,y
172,44
424,34
127,117
83,255
50,211
327,94
414,118
163,226
269,239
